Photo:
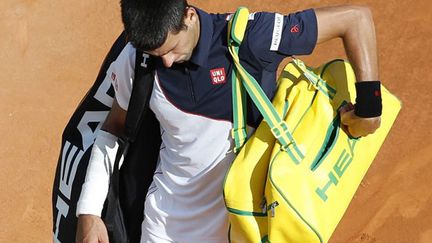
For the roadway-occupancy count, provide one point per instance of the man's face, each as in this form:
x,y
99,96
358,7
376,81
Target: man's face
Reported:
x,y
178,48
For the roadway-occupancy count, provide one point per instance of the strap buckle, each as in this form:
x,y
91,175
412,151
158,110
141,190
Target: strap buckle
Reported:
x,y
279,130
237,130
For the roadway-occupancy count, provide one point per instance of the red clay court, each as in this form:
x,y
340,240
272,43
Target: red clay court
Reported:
x,y
51,52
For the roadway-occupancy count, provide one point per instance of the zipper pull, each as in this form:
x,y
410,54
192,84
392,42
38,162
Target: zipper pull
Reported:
x,y
190,85
272,207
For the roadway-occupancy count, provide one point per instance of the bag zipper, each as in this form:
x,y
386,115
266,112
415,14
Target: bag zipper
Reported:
x,y
272,208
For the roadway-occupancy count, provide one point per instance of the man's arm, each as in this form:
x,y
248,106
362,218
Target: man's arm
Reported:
x,y
115,121
90,226
355,26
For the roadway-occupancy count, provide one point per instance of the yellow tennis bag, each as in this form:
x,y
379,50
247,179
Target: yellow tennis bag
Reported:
x,y
294,178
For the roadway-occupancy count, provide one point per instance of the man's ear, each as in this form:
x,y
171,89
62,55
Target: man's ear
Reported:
x,y
191,16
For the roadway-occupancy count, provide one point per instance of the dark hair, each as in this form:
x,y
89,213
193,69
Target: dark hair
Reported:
x,y
147,22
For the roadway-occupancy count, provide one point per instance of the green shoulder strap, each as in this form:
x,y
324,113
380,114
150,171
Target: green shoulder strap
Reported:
x,y
238,133
236,30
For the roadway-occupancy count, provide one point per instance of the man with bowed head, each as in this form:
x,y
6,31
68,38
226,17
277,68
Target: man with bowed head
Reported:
x,y
191,99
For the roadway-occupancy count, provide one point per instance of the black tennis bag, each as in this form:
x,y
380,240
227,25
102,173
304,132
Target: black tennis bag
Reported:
x,y
138,167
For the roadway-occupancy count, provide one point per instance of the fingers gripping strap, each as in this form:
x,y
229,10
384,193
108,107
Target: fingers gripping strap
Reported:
x,y
277,125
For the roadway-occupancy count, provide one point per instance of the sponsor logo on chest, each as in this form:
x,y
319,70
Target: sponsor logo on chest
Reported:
x,y
218,76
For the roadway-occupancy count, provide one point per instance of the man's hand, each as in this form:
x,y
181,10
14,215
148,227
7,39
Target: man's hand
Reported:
x,y
357,126
91,229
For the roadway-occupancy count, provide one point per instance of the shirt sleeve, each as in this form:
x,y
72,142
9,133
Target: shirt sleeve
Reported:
x,y
121,73
272,36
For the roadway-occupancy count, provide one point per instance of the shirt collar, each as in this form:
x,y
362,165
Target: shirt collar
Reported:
x,y
201,52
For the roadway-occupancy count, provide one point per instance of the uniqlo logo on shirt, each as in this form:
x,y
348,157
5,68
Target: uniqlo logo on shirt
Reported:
x,y
218,76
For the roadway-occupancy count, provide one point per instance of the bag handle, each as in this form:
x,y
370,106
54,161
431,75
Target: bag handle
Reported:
x,y
278,126
316,81
138,106
140,97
